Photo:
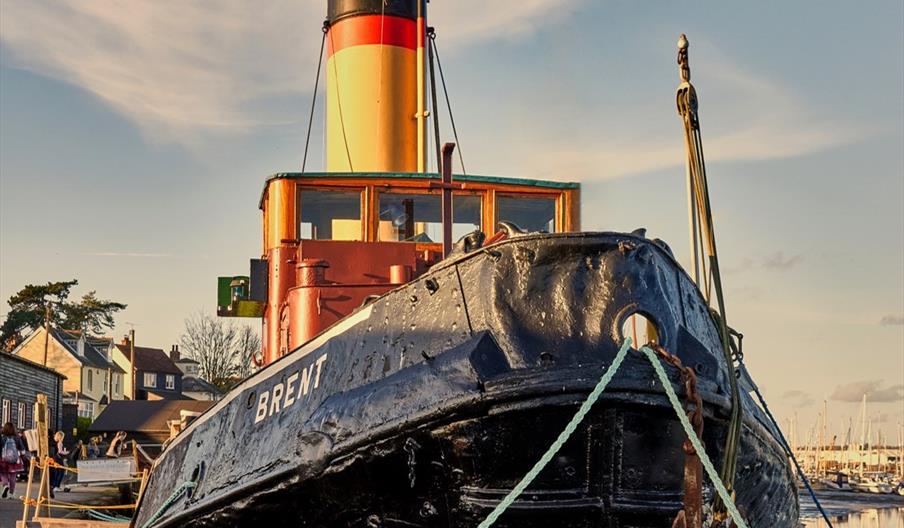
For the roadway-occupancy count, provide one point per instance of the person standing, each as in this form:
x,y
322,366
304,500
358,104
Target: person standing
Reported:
x,y
93,448
11,449
59,453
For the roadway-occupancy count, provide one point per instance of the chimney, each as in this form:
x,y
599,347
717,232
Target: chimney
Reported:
x,y
174,353
125,341
80,345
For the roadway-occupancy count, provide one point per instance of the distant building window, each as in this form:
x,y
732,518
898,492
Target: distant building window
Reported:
x,y
6,411
20,416
150,379
170,382
116,378
86,409
90,381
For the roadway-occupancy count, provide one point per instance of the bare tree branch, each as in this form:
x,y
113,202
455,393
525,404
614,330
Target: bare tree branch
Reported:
x,y
222,348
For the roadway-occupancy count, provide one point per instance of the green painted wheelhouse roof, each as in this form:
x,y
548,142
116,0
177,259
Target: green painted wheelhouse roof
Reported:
x,y
547,184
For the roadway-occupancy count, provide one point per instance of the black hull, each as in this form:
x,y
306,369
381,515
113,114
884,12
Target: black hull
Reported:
x,y
426,407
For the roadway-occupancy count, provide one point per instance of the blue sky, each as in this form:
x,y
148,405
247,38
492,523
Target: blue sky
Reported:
x,y
135,136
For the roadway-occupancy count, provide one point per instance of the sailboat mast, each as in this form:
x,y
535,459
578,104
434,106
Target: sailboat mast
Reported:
x,y
862,434
822,438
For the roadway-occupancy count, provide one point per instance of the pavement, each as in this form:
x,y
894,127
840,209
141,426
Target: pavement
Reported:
x,y
11,508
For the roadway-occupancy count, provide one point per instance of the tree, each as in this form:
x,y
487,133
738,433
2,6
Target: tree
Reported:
x,y
90,313
30,306
223,349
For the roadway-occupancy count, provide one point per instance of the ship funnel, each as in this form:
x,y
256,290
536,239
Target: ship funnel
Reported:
x,y
375,118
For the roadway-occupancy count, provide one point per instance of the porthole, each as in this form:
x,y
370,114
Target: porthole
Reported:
x,y
641,329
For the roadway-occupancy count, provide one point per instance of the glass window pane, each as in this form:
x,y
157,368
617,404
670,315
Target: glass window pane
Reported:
x,y
330,215
418,217
530,214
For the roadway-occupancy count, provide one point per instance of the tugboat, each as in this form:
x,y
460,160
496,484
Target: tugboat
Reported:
x,y
407,381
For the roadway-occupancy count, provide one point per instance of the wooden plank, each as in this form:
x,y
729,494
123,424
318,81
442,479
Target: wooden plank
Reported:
x,y
44,522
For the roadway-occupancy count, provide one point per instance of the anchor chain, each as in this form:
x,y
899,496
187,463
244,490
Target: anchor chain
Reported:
x,y
410,447
691,516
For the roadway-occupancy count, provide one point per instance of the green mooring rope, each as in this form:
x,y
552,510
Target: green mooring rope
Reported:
x,y
692,436
560,441
180,489
582,412
109,518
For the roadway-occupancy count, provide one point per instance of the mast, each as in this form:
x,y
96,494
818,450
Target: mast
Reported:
x,y
822,437
862,434
686,100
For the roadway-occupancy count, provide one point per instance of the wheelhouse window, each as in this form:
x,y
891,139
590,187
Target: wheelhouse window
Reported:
x,y
530,214
418,217
329,214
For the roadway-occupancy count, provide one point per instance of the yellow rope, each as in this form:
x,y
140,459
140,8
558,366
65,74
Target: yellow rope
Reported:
x,y
73,506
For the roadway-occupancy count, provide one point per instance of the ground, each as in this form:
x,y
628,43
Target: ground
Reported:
x,y
11,509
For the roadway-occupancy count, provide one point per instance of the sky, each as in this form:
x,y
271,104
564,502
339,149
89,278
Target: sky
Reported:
x,y
135,138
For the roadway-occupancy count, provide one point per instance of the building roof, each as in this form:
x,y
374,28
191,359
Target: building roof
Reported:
x,y
78,396
187,360
163,394
144,415
193,384
29,363
151,359
93,357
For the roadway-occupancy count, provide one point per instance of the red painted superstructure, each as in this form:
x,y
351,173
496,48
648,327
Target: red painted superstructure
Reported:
x,y
313,281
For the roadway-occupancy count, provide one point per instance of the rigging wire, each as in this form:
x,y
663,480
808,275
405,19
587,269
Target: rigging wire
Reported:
x,y
439,156
461,159
307,139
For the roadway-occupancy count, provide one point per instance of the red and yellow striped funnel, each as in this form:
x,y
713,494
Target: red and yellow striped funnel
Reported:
x,y
375,118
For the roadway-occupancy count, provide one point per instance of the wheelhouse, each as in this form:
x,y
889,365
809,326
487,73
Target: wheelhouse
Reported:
x,y
405,207
332,241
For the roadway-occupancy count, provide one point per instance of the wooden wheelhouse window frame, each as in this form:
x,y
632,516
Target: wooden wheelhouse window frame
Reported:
x,y
559,217
423,190
362,203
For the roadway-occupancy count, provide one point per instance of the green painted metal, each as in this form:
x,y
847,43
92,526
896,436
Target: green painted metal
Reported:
x,y
224,293
546,184
229,307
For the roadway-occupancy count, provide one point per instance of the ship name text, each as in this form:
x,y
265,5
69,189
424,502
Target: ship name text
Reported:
x,y
284,394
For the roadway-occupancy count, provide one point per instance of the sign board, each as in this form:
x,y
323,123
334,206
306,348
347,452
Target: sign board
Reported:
x,y
33,440
106,469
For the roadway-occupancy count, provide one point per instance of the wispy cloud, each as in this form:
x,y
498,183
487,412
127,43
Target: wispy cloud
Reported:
x,y
126,254
892,320
760,119
777,261
797,398
854,391
184,69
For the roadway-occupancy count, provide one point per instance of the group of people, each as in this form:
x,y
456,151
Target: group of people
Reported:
x,y
15,456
